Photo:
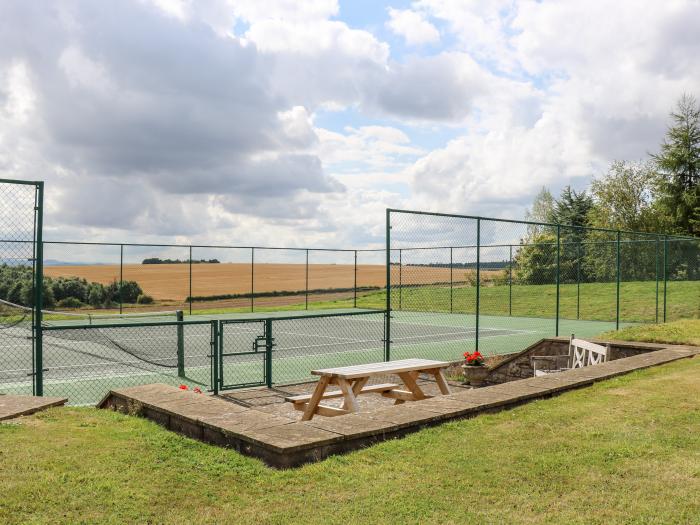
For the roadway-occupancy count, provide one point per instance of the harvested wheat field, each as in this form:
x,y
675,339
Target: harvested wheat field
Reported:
x,y
171,281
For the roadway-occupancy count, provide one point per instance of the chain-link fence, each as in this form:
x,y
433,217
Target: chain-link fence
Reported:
x,y
20,283
509,283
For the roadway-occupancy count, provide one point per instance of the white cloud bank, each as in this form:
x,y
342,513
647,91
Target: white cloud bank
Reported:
x,y
157,118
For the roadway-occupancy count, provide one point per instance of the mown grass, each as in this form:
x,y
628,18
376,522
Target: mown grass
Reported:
x,y
684,332
623,451
590,301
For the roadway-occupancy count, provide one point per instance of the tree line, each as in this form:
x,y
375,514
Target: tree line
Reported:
x,y
17,286
158,260
657,194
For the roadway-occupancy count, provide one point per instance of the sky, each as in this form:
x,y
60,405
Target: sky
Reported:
x,y
297,123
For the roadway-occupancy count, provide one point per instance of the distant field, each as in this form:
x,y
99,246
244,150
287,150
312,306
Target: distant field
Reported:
x,y
171,281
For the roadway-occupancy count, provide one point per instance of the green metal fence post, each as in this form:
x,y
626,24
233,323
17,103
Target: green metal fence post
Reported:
x,y
268,352
617,285
121,277
216,344
450,279
510,280
190,277
665,273
656,309
556,331
180,344
478,280
578,280
387,314
252,279
400,278
354,285
39,292
306,285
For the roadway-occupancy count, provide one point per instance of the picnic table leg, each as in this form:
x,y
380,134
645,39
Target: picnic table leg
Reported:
x,y
409,379
357,387
348,394
311,406
441,381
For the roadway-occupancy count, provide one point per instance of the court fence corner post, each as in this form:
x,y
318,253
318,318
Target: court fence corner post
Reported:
x,y
180,343
269,343
558,278
478,281
39,291
665,274
617,285
190,278
387,313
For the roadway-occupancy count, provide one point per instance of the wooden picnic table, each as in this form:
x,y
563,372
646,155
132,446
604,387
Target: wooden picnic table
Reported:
x,y
352,381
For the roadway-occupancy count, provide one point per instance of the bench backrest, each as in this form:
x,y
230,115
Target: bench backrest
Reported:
x,y
584,353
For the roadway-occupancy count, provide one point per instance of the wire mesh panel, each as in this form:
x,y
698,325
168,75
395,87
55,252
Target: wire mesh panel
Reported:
x,y
221,278
682,284
153,277
83,362
430,286
18,228
640,265
280,279
308,343
243,355
331,279
371,279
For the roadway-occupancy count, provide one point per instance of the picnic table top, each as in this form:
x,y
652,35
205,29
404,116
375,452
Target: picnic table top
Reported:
x,y
386,367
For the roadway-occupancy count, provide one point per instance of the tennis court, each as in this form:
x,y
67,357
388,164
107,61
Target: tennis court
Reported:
x,y
84,360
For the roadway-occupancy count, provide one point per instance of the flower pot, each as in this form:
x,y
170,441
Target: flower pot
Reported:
x,y
475,375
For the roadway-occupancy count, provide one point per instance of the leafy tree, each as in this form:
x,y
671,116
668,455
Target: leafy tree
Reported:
x,y
679,164
541,211
624,198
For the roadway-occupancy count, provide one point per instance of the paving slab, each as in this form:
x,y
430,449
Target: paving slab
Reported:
x,y
15,406
352,425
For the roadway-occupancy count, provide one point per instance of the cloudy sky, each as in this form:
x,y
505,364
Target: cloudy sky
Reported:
x,y
287,122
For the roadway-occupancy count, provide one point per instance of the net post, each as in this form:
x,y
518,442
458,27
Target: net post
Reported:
x,y
190,277
39,291
478,280
510,280
617,285
268,352
387,314
252,279
354,285
306,282
556,332
179,316
451,298
121,278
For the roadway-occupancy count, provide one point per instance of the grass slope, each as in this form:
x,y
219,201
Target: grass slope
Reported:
x,y
684,332
623,451
593,301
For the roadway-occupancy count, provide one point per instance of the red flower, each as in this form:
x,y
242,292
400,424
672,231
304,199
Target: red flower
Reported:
x,y
183,387
197,390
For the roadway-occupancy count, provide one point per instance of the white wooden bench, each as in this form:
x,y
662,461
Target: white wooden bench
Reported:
x,y
581,353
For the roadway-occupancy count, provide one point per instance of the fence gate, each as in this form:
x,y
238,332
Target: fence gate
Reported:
x,y
20,285
245,353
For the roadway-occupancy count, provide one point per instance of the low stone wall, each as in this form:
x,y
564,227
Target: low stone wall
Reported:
x,y
519,365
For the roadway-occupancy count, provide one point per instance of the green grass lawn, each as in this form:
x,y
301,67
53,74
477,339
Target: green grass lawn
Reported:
x,y
590,301
684,332
623,451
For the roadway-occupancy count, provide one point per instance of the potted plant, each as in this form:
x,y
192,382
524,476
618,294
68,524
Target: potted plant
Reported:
x,y
475,370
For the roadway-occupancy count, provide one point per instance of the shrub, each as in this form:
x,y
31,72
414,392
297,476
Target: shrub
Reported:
x,y
144,299
130,291
70,302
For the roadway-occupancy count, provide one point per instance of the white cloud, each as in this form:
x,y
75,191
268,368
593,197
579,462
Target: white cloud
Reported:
x,y
412,26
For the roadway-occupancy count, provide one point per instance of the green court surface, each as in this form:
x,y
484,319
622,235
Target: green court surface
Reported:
x,y
85,363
